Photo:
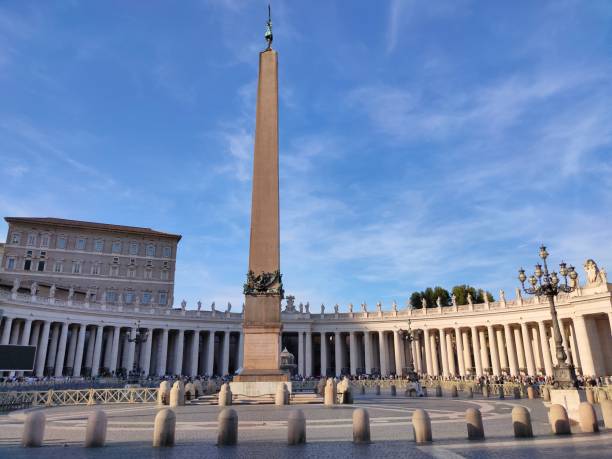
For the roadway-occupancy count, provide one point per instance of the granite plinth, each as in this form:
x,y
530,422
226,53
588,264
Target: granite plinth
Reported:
x,y
262,376
256,388
570,399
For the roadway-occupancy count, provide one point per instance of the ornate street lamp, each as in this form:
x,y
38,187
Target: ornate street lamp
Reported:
x,y
547,284
408,335
140,337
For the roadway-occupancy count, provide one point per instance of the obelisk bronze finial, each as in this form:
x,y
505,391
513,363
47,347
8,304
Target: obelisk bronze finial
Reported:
x,y
268,35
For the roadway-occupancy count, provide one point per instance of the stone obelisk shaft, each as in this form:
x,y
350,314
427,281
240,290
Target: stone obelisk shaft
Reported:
x,y
262,319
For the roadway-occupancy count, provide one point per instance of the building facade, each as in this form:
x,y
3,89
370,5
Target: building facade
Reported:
x,y
85,261
83,337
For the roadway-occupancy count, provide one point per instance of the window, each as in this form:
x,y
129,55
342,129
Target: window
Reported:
x,y
150,250
61,242
80,245
146,297
116,247
131,272
148,274
132,261
134,248
31,239
114,271
76,267
163,298
164,275
149,263
116,260
29,254
27,265
95,269
129,297
165,264
44,240
98,245
167,252
16,238
41,265
111,296
43,254
10,263
58,267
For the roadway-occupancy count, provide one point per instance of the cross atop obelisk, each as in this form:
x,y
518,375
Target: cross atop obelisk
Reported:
x,y
264,289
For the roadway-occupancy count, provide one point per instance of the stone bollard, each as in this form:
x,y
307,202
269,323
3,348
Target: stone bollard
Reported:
x,y
377,389
421,426
211,387
545,394
587,418
521,421
530,393
517,393
197,385
606,411
225,395
590,396
393,390
361,426
424,391
470,392
475,429
180,387
330,393
95,434
362,389
228,428
559,422
296,428
454,392
438,391
501,392
33,430
163,395
163,432
485,391
282,395
175,397
190,391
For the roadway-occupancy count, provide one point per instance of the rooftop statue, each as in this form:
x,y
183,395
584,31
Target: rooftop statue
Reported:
x,y
199,305
268,35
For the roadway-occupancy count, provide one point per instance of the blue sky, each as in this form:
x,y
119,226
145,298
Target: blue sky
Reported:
x,y
422,143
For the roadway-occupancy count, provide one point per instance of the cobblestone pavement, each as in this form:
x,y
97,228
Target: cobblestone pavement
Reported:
x,y
262,432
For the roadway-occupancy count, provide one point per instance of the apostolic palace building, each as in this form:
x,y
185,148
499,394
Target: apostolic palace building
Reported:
x,y
77,290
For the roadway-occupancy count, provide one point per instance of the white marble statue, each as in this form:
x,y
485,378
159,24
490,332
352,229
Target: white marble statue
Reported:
x,y
351,308
322,308
336,307
394,306
290,307
301,308
71,293
593,273
307,307
199,305
212,307
454,300
16,285
52,291
33,288
364,307
183,305
603,276
518,295
229,307
439,302
469,299
378,307
423,303
502,296
87,295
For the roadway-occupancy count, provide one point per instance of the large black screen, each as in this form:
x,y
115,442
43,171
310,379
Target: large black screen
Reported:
x,y
13,357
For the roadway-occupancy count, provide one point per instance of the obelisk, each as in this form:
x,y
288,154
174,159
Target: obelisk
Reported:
x,y
264,289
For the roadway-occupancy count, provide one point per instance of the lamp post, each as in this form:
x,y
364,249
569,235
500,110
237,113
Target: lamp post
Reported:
x,y
547,284
140,337
408,337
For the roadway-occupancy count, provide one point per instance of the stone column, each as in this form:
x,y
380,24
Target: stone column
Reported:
x,y
61,351
195,348
95,364
427,346
14,339
477,354
71,348
225,354
210,353
584,346
576,355
78,357
90,348
367,347
459,344
114,349
353,352
131,350
511,350
493,347
35,333
450,355
308,360
323,355
41,350
27,329
384,353
178,351
52,353
528,350
418,362
338,353
501,348
397,352
301,367
162,354
145,354
520,350
434,355
484,351
568,351
6,331
240,350
467,354
443,353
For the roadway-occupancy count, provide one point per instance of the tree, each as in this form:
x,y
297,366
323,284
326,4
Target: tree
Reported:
x,y
415,300
460,291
